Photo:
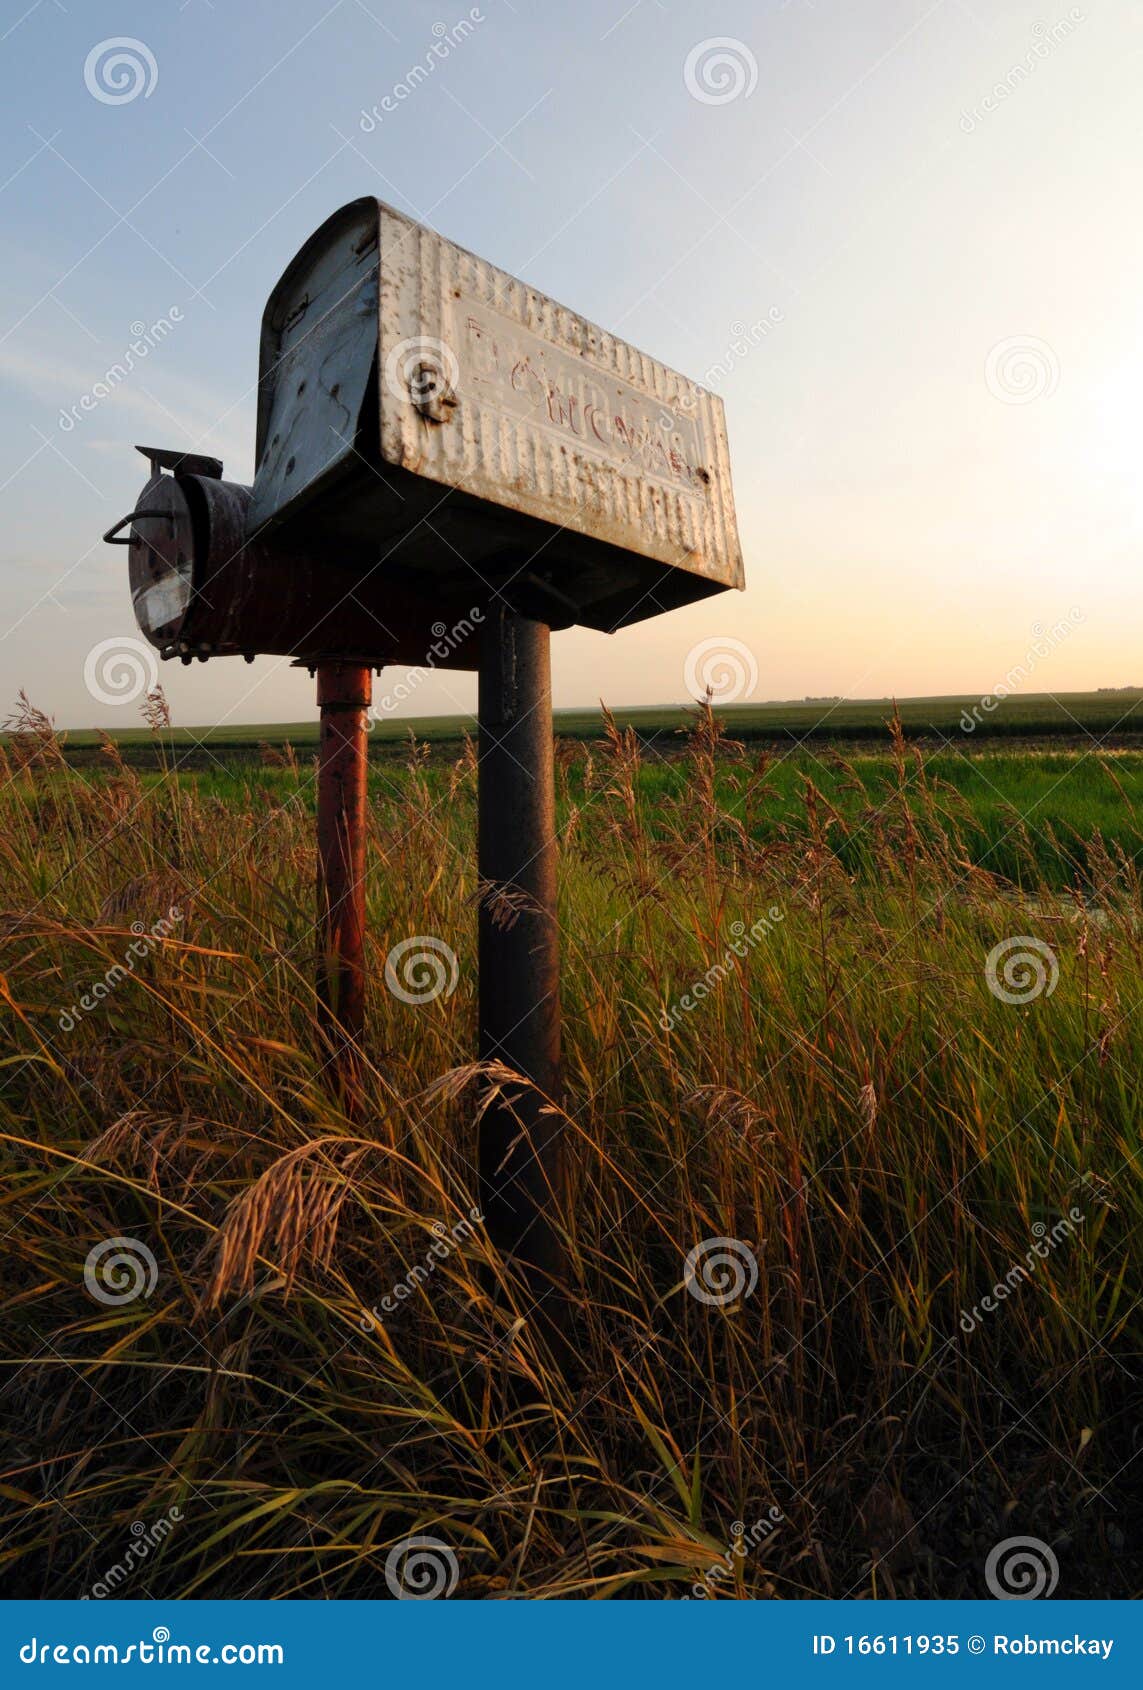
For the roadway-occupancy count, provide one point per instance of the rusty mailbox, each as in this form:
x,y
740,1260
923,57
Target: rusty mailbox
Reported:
x,y
424,412
439,444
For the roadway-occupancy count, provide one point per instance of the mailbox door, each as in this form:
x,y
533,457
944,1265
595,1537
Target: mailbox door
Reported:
x,y
319,340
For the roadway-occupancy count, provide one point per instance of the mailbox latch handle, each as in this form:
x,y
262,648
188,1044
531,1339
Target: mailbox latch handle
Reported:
x,y
132,516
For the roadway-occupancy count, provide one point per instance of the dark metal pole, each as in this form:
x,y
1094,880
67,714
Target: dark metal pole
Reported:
x,y
521,1163
344,691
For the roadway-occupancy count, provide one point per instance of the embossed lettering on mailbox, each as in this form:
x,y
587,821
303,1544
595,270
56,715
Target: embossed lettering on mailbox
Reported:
x,y
507,367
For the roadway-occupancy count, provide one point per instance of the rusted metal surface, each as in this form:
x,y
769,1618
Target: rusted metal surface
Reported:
x,y
521,1158
474,419
318,343
344,692
202,589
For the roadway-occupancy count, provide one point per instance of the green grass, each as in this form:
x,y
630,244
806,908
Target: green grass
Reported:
x,y
1071,716
847,1099
1027,816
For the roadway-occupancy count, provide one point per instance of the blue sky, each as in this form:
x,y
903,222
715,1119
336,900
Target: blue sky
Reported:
x,y
933,205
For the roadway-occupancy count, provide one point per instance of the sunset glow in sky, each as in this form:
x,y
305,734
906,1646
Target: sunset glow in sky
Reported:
x,y
900,238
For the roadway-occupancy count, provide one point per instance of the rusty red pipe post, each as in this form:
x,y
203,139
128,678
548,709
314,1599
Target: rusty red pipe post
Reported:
x,y
520,1152
344,693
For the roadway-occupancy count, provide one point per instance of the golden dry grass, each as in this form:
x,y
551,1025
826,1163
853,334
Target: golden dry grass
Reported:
x,y
846,1100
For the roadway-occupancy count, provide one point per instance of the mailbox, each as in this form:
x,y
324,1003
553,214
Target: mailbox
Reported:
x,y
440,447
434,437
427,414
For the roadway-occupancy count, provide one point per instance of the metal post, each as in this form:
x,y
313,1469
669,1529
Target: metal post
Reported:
x,y
344,691
521,1164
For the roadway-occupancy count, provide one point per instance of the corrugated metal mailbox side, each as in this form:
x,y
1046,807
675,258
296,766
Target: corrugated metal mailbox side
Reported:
x,y
549,432
552,416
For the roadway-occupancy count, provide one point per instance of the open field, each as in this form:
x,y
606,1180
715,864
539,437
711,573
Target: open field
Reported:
x,y
1024,814
790,1043
1114,717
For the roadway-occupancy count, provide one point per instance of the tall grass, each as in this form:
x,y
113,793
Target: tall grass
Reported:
x,y
315,1376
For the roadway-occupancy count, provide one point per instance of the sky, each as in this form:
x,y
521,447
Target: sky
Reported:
x,y
899,238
